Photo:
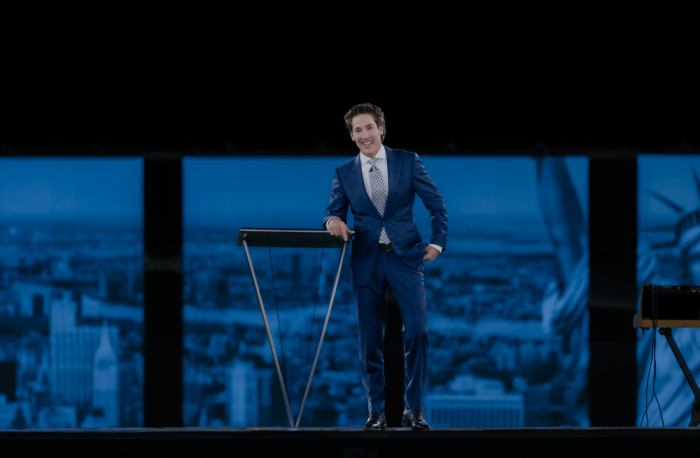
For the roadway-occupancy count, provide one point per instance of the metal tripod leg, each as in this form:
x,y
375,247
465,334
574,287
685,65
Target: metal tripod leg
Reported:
x,y
269,336
323,333
695,414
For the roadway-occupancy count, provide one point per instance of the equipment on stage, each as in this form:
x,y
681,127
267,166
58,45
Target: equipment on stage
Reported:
x,y
667,307
292,238
674,303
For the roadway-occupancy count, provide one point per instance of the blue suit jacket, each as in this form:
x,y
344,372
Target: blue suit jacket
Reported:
x,y
407,176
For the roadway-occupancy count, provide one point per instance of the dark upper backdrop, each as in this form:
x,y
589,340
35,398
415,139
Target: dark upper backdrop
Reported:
x,y
263,100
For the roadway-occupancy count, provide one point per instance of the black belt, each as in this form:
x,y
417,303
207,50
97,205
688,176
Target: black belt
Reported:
x,y
385,246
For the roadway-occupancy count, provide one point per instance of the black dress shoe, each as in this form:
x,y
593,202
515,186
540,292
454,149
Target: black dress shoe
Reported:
x,y
375,422
415,419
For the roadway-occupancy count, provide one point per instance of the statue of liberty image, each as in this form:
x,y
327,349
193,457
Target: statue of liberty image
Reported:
x,y
565,302
674,395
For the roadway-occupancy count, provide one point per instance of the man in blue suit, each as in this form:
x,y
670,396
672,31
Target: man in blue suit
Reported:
x,y
379,186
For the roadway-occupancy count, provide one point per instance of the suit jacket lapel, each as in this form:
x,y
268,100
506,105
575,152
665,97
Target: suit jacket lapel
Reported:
x,y
394,168
357,185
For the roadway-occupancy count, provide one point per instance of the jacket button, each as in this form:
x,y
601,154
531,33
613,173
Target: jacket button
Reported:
x,y
376,241
384,219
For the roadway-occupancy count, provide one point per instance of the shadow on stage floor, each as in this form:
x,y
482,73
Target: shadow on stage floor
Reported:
x,y
341,442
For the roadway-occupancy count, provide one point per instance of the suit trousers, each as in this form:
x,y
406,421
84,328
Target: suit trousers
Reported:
x,y
408,287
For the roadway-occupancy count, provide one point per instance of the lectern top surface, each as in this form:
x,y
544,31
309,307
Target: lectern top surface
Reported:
x,y
290,238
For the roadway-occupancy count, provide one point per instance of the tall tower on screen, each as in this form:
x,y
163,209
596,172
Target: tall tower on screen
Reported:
x,y
242,400
105,393
72,356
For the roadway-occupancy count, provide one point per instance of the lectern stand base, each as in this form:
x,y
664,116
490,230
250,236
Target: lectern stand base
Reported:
x,y
695,410
301,238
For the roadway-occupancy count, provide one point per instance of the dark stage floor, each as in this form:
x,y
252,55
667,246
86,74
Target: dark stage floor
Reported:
x,y
331,442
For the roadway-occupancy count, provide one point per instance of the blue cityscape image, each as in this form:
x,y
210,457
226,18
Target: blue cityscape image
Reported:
x,y
71,294
507,301
667,254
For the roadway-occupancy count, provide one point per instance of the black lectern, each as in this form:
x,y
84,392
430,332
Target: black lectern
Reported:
x,y
292,238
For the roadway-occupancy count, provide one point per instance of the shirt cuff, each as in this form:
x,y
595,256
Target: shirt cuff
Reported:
x,y
436,247
329,220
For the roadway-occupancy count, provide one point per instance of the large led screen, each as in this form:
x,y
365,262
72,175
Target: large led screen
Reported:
x,y
668,253
71,295
507,301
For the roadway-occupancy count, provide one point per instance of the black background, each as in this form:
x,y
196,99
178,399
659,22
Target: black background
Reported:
x,y
129,81
164,108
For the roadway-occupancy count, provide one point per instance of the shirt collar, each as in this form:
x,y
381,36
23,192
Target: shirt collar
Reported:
x,y
381,154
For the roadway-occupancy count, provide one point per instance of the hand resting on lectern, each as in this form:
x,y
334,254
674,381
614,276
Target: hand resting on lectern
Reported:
x,y
337,227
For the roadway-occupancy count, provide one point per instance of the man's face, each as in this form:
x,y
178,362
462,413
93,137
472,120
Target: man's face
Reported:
x,y
366,135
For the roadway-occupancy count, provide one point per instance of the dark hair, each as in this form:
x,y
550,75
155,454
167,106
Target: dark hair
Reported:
x,y
366,108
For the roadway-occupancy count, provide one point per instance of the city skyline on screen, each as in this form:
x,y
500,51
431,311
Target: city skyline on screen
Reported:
x,y
71,292
474,194
507,307
69,190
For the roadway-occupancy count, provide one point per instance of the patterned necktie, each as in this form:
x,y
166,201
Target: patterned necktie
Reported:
x,y
378,191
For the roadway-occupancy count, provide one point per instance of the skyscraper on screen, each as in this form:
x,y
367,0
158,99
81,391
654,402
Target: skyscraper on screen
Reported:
x,y
73,355
242,394
105,392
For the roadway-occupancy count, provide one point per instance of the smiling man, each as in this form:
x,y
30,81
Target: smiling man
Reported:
x,y
379,186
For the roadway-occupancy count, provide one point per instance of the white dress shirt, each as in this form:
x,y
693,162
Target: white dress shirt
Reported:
x,y
381,164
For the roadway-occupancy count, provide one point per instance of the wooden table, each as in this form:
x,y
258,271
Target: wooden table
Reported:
x,y
665,329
